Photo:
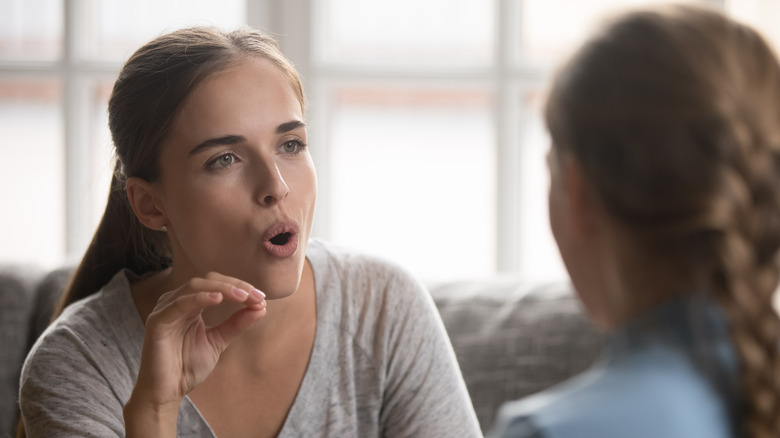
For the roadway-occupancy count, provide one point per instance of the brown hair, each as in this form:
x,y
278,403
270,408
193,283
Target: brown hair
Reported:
x,y
146,98
674,115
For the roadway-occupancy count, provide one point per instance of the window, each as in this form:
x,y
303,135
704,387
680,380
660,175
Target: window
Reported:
x,y
31,127
412,175
424,118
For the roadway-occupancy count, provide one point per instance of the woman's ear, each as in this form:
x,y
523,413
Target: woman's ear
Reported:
x,y
144,201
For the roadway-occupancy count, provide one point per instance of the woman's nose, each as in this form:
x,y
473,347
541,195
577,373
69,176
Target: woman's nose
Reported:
x,y
272,187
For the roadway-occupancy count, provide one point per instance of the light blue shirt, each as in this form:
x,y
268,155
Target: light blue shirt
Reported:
x,y
671,373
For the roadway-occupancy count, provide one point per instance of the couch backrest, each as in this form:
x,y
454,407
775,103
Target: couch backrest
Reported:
x,y
514,338
17,301
27,298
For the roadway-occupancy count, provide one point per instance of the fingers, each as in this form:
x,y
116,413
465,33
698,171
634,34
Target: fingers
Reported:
x,y
197,294
232,288
175,312
228,330
240,291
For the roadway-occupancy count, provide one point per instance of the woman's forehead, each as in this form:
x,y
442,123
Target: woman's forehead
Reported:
x,y
256,89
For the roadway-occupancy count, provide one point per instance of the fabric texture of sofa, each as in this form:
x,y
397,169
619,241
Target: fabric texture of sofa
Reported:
x,y
511,337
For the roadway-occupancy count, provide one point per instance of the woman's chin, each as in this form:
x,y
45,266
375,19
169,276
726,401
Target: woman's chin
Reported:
x,y
278,286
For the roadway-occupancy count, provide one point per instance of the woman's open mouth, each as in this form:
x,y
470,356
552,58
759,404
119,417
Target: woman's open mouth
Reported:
x,y
281,239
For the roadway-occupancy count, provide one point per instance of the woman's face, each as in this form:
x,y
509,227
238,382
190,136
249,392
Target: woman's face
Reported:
x,y
576,220
237,184
556,202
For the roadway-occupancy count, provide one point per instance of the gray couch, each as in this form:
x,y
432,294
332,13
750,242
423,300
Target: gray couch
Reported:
x,y
512,338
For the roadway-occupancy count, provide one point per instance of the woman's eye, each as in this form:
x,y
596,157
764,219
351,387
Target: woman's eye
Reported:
x,y
292,147
224,160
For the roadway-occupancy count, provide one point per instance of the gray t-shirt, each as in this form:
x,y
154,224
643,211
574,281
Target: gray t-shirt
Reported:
x,y
381,364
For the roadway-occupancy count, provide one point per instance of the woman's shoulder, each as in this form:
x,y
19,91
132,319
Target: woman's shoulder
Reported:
x,y
97,326
82,369
90,313
365,287
353,260
359,268
655,392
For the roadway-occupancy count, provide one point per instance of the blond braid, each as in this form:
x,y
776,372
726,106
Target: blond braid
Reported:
x,y
748,277
754,322
755,329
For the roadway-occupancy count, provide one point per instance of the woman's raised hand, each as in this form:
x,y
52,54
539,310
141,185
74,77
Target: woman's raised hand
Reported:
x,y
180,350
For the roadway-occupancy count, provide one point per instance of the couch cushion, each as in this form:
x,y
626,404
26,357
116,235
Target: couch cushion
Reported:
x,y
47,294
17,298
513,338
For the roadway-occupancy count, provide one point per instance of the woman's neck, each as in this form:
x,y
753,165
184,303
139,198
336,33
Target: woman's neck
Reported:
x,y
636,282
617,276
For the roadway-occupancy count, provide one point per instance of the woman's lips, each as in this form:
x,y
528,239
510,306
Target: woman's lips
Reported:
x,y
281,239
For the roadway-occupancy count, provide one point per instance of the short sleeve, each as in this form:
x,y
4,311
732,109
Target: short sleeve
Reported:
x,y
64,393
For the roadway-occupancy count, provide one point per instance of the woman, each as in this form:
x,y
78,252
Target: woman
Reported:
x,y
665,205
165,330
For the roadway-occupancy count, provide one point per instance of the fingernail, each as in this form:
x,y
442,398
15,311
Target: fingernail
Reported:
x,y
258,294
240,293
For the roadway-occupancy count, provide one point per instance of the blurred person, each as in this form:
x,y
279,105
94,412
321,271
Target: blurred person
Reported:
x,y
665,204
202,308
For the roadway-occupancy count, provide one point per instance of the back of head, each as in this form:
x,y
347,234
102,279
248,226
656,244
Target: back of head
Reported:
x,y
674,115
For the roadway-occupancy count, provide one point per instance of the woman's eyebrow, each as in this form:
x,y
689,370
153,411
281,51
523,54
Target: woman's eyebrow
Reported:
x,y
235,139
219,141
289,126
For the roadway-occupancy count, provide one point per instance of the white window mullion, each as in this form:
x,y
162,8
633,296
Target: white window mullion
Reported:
x,y
320,122
262,14
507,144
76,128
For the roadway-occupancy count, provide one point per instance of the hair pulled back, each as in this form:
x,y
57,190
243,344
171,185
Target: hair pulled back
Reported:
x,y
674,115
